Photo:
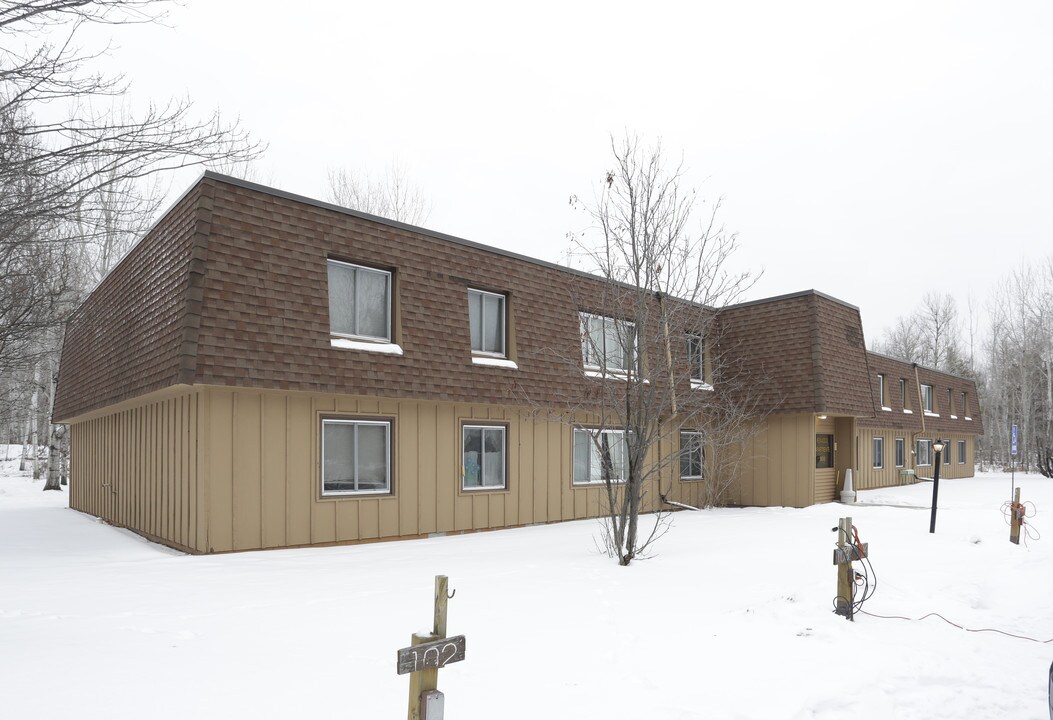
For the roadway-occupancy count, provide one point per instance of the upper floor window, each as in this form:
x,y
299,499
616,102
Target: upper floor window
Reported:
x,y
486,318
356,456
903,393
692,456
600,455
965,404
484,456
926,398
359,301
607,344
882,399
950,408
696,358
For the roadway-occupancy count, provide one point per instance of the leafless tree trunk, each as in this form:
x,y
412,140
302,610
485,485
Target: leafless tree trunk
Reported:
x,y
664,281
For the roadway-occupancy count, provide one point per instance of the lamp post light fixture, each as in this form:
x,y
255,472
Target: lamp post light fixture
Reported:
x,y
937,447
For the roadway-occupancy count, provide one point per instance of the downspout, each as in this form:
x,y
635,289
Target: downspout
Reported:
x,y
921,406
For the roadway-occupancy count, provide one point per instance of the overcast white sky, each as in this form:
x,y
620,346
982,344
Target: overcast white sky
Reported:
x,y
872,151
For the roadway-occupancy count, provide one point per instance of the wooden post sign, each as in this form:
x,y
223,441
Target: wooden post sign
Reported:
x,y
436,654
426,654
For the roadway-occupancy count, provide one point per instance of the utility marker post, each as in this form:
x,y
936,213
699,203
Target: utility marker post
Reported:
x,y
845,552
426,654
1016,518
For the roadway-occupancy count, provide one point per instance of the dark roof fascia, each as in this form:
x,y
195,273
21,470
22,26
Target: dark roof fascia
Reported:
x,y
790,296
926,368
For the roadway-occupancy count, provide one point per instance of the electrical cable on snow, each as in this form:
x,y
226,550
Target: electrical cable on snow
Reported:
x,y
866,572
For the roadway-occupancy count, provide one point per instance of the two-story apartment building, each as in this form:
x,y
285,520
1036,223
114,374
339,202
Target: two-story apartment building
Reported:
x,y
266,370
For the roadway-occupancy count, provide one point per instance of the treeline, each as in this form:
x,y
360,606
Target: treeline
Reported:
x,y
1009,354
79,175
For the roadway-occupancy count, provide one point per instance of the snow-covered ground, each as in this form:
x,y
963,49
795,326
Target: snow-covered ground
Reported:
x,y
731,619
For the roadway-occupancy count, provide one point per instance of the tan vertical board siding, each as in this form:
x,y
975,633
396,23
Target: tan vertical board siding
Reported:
x,y
273,481
427,469
447,468
130,467
300,490
220,471
826,478
525,490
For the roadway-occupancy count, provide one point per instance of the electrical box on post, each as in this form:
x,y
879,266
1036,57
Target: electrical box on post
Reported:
x,y
431,705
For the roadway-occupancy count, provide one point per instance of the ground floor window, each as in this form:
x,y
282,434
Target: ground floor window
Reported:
x,y
692,456
484,453
901,452
961,452
600,455
879,453
923,452
356,456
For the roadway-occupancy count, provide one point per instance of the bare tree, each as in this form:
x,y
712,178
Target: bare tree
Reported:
x,y
648,337
391,196
77,168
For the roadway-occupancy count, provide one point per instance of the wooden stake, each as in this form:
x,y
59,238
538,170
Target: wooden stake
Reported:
x,y
1017,512
429,679
845,579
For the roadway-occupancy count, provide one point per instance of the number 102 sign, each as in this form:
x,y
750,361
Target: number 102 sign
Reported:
x,y
434,654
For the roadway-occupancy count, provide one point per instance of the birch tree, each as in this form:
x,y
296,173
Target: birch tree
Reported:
x,y
77,166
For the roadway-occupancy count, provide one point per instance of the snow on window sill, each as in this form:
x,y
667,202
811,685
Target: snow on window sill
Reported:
x,y
494,362
908,412
968,418
954,417
610,375
377,347
931,414
700,385
886,409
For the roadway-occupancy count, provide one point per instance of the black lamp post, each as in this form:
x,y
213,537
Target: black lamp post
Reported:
x,y
938,449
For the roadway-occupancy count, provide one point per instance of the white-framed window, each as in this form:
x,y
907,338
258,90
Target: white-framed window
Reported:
x,y
607,344
484,452
961,452
882,400
879,453
600,455
950,400
926,398
359,302
923,453
901,452
692,456
356,456
696,358
486,320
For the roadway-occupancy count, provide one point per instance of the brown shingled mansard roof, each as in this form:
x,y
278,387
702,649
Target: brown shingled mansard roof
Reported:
x,y
229,288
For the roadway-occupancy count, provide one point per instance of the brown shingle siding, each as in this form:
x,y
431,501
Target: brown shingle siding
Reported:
x,y
230,288
128,337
